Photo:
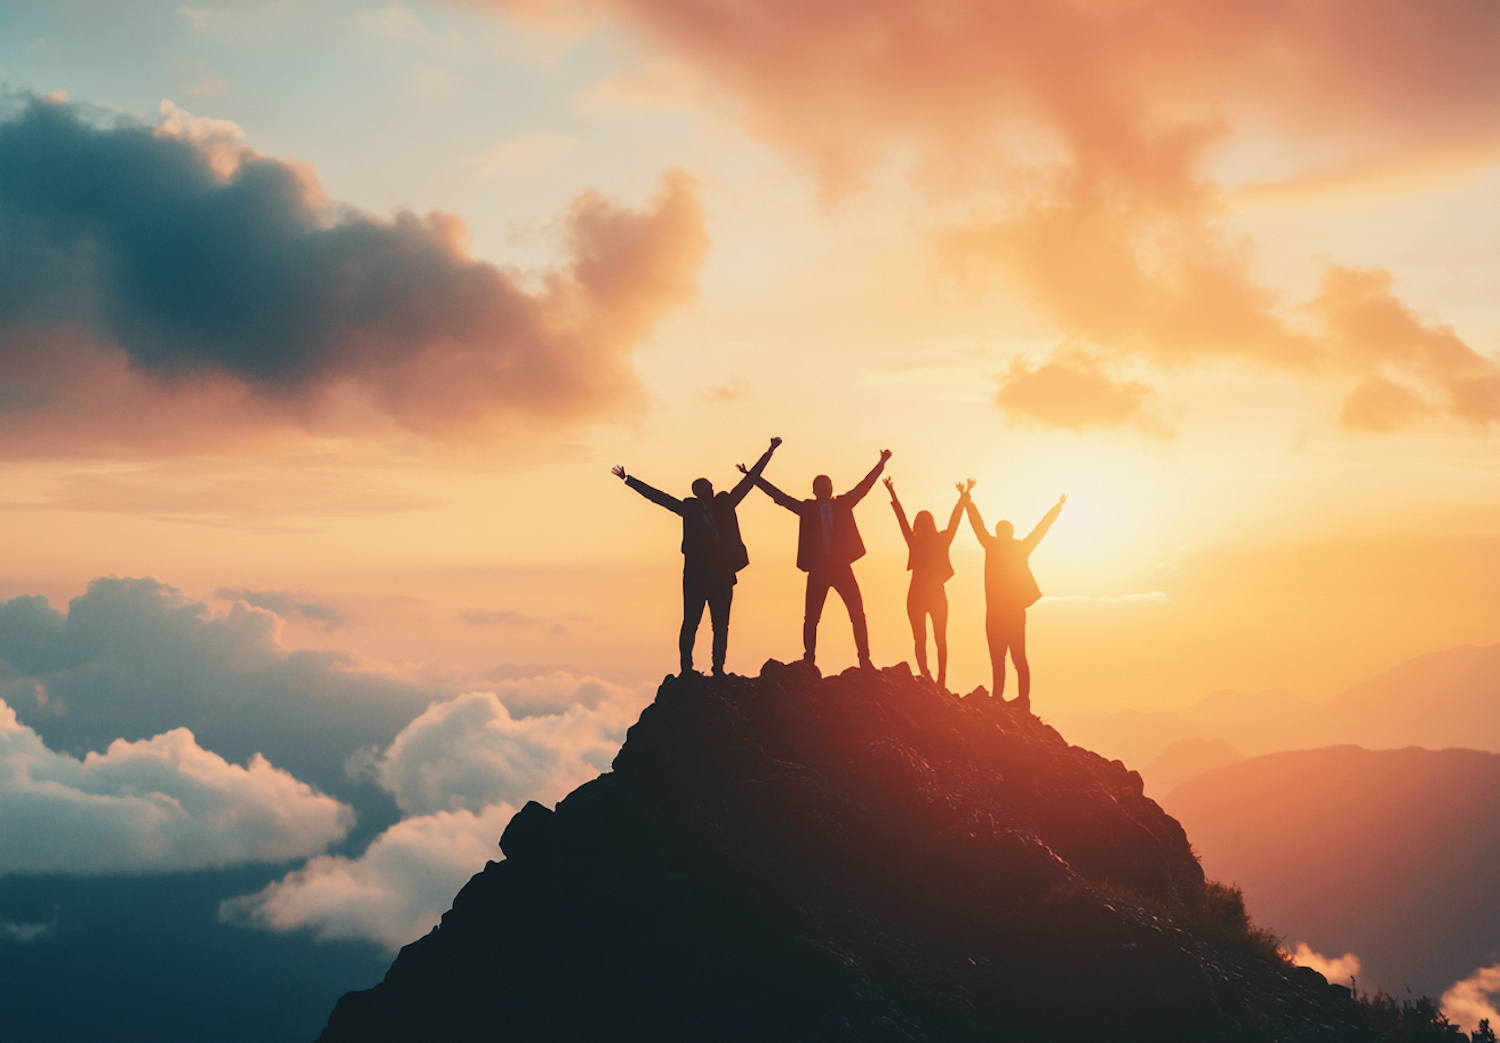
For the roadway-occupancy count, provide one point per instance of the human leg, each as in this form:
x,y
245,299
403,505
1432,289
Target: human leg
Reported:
x,y
817,592
1018,656
720,598
938,607
843,581
916,614
994,632
694,596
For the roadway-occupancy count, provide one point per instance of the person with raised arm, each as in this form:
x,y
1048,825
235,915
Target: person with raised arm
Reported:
x,y
712,552
1009,590
828,544
927,561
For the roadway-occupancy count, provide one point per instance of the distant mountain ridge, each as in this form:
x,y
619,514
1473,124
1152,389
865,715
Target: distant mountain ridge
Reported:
x,y
853,857
1440,700
1393,855
1186,759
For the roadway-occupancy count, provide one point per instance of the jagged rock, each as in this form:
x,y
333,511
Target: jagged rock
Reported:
x,y
856,857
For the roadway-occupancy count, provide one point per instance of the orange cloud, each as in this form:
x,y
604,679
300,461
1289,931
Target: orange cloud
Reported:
x,y
1073,391
1380,406
1078,135
1369,329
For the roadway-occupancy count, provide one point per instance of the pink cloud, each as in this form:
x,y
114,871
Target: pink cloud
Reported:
x,y
1078,137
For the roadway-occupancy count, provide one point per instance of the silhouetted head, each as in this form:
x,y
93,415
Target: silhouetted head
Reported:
x,y
823,487
703,489
923,525
1004,529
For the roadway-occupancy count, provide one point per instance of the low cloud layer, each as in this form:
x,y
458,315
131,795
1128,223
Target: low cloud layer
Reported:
x,y
157,805
135,658
22,932
1473,1000
460,770
392,894
1337,969
1077,142
539,736
173,263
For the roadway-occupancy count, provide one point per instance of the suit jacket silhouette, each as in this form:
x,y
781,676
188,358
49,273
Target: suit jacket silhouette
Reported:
x,y
711,543
1008,582
845,545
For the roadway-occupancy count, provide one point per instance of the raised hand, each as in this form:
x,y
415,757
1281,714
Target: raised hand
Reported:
x,y
618,470
742,468
890,487
775,442
1062,499
885,454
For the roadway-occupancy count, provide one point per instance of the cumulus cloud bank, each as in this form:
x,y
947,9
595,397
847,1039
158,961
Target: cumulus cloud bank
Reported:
x,y
159,804
1082,136
460,770
173,262
1472,1000
540,736
134,658
285,603
392,894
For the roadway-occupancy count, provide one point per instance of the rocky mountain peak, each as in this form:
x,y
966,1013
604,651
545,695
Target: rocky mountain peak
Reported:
x,y
860,856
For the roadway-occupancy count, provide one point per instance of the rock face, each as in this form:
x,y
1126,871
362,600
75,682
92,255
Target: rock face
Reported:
x,y
856,857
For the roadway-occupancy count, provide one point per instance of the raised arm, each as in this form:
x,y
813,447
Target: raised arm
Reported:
x,y
986,538
671,503
779,496
1042,526
742,489
868,481
958,510
900,514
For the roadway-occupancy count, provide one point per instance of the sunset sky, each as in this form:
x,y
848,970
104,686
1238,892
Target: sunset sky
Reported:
x,y
332,318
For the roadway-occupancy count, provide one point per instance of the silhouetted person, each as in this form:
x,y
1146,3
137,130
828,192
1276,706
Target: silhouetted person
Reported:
x,y
927,561
1009,589
828,544
712,552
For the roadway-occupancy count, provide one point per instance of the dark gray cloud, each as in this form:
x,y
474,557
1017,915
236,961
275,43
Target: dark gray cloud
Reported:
x,y
202,260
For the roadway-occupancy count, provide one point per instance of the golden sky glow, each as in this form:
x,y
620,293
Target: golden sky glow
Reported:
x,y
1223,273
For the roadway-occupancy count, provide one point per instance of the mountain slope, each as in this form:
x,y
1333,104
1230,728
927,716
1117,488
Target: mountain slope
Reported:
x,y
860,856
